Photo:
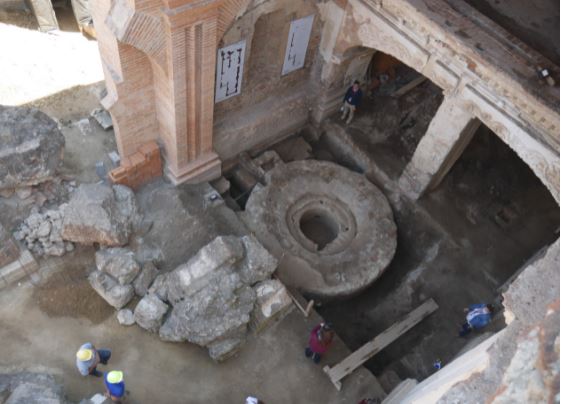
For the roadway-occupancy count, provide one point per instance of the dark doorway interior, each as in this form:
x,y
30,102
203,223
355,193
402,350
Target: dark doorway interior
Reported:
x,y
458,245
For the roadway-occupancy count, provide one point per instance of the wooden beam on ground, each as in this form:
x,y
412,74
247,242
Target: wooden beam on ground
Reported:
x,y
304,306
410,86
371,348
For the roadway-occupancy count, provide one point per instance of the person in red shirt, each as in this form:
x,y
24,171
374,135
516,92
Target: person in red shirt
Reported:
x,y
320,340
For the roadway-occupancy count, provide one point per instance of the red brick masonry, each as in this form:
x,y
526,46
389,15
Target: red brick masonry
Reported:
x,y
139,168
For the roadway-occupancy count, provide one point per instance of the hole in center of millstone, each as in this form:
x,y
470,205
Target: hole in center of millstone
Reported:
x,y
319,227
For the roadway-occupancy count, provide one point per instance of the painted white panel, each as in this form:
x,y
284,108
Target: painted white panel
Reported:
x,y
230,69
297,43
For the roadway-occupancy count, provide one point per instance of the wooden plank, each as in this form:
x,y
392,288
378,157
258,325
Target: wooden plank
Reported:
x,y
407,87
304,306
371,348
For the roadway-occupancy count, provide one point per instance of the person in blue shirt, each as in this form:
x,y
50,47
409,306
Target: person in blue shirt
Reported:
x,y
477,316
351,101
88,357
114,385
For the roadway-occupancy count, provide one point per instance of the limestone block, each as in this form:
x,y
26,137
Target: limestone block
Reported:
x,y
258,263
224,349
99,213
193,276
127,204
160,287
31,147
272,300
149,312
24,265
145,278
110,290
103,118
119,263
210,314
125,317
57,249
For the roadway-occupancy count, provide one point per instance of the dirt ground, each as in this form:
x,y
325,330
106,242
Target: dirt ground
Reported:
x,y
65,291
47,63
272,365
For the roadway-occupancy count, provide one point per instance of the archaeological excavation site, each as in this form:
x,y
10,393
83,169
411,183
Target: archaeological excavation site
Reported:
x,y
280,201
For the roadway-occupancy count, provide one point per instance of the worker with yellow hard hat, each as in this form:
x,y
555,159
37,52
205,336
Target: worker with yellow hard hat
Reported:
x,y
114,385
88,357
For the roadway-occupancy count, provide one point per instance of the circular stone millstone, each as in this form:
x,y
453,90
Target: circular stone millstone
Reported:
x,y
331,229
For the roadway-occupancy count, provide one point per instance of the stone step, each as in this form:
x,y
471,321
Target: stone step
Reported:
x,y
17,270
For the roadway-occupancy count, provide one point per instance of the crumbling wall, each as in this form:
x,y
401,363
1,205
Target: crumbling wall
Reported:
x,y
270,105
524,362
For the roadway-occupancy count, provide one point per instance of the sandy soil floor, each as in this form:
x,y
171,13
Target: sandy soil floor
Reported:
x,y
45,321
46,63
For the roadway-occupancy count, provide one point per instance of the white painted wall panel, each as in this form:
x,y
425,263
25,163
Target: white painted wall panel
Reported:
x,y
230,70
297,43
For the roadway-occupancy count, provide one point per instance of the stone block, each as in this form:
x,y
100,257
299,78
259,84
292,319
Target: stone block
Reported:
x,y
99,213
125,317
110,290
25,265
149,312
258,264
31,147
223,350
145,278
272,302
120,263
103,118
222,252
160,287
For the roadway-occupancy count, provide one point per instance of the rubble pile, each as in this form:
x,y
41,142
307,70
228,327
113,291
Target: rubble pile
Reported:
x,y
210,300
214,293
116,269
41,233
96,213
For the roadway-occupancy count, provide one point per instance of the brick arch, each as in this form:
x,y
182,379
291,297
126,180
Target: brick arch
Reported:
x,y
229,11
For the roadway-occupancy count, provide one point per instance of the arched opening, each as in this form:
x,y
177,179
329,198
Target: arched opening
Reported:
x,y
395,110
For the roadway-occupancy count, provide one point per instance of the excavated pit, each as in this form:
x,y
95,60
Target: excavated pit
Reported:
x,y
331,229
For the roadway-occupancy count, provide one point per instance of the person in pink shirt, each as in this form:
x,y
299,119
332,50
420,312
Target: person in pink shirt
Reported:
x,y
320,340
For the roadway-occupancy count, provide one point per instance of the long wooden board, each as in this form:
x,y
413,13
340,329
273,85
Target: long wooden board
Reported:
x,y
377,344
407,87
301,303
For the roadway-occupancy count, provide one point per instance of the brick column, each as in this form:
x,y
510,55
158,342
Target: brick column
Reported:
x,y
448,134
187,91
